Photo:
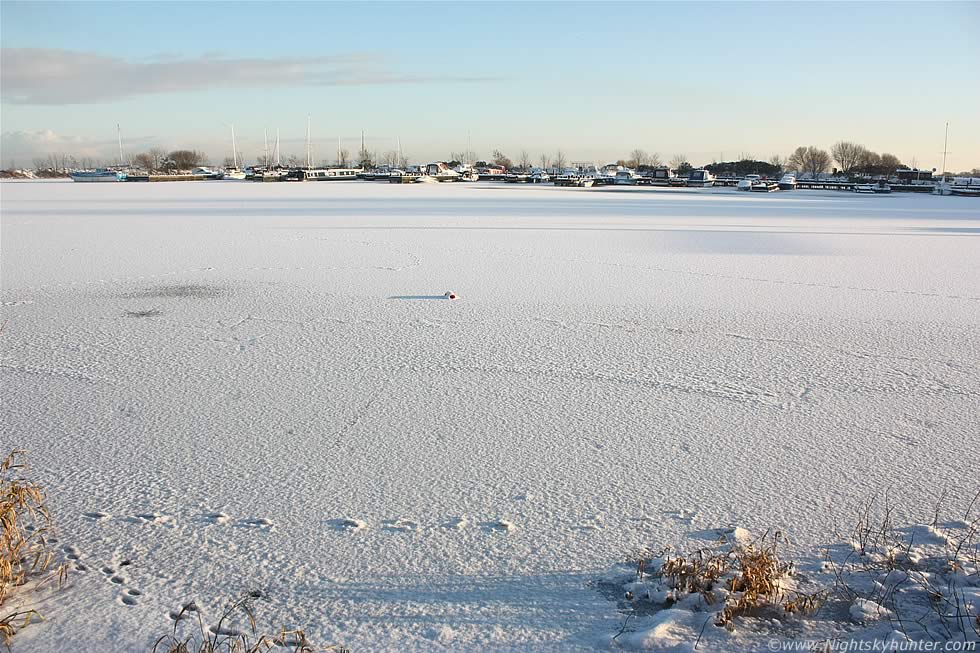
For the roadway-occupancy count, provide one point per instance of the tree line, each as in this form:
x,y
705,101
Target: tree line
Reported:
x,y
851,159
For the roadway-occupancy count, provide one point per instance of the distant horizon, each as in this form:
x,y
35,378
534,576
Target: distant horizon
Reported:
x,y
709,81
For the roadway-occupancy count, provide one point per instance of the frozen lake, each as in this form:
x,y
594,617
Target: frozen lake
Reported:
x,y
212,377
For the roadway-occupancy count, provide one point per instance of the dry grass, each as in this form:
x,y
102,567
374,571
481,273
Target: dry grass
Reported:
x,y
739,578
923,587
24,550
224,638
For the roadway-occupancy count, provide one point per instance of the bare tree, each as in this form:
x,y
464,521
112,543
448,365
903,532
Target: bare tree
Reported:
x,y
847,155
797,159
390,158
186,159
525,161
810,160
145,161
890,163
500,159
653,160
158,154
746,156
678,161
560,160
637,158
778,161
545,162
343,158
868,163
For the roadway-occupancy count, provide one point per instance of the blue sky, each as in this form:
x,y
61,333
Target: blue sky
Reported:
x,y
597,80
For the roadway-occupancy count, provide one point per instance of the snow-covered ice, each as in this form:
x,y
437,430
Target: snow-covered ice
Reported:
x,y
229,387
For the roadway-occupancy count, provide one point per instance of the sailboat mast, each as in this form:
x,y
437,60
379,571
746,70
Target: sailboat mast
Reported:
x,y
945,147
119,138
265,137
278,160
309,146
398,163
234,148
339,139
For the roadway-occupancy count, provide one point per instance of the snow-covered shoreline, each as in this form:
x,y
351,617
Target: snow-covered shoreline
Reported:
x,y
236,386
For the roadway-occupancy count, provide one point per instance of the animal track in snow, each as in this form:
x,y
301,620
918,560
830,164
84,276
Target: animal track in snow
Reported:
x,y
256,522
153,518
347,524
500,526
402,525
457,523
682,515
219,518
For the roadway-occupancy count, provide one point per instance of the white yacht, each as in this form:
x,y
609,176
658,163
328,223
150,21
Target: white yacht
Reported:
x,y
625,177
440,171
787,182
746,183
700,178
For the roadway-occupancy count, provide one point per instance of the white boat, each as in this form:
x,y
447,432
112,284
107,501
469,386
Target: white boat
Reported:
x,y
440,171
539,176
746,183
207,173
764,186
961,186
662,177
331,174
787,182
235,172
625,177
864,188
700,178
100,174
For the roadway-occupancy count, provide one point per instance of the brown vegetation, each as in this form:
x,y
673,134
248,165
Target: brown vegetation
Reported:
x,y
24,551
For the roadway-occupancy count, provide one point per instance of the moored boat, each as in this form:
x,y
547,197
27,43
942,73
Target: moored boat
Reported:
x,y
700,178
787,182
746,183
207,173
625,177
764,186
440,171
100,174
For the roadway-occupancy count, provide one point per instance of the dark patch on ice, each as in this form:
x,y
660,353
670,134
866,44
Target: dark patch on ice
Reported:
x,y
147,312
178,291
416,297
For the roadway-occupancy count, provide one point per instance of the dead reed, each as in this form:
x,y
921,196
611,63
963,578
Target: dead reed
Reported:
x,y
25,554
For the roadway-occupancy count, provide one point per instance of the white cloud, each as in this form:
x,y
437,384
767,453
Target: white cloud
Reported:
x,y
55,76
22,147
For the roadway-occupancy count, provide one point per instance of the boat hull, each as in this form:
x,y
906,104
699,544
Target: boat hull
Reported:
x,y
94,177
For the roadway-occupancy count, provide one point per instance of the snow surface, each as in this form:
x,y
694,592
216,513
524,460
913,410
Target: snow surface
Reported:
x,y
236,386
